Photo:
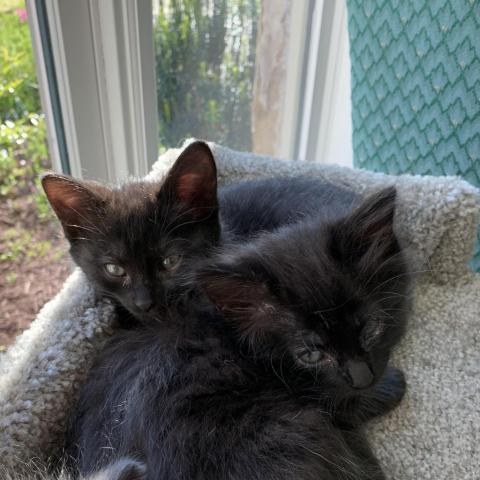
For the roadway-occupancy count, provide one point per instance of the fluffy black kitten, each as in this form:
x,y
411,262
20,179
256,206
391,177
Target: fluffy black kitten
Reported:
x,y
331,294
251,207
182,397
137,241
133,241
321,303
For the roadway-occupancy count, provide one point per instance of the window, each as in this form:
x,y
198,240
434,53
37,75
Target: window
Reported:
x,y
205,69
137,76
30,246
231,72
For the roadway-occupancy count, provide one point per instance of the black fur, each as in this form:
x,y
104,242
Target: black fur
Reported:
x,y
123,468
140,224
251,207
182,397
330,294
201,395
182,391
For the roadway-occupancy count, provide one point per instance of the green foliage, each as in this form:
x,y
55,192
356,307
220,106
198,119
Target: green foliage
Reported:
x,y
18,84
23,156
7,5
18,244
23,148
205,59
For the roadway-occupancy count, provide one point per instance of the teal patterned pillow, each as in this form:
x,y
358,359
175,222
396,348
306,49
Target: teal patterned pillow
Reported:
x,y
416,87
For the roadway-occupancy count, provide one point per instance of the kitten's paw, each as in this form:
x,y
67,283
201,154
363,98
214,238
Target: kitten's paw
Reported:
x,y
380,399
391,389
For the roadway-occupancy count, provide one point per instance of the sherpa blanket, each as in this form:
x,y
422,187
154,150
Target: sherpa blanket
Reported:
x,y
434,434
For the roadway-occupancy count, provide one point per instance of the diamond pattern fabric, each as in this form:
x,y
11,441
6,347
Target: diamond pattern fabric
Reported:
x,y
416,87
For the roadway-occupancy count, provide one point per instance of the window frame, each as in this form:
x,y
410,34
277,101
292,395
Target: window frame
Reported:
x,y
102,61
47,81
325,133
104,69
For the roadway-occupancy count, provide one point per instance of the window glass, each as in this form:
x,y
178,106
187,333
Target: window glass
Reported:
x,y
33,263
205,69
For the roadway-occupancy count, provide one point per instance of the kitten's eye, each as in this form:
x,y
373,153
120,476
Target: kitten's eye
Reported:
x,y
311,357
114,270
371,333
171,262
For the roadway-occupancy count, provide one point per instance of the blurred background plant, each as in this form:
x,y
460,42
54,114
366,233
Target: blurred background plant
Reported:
x,y
23,148
18,85
33,264
205,66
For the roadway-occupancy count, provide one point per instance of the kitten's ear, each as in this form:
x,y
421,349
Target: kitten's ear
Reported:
x,y
76,204
375,215
193,179
369,226
247,303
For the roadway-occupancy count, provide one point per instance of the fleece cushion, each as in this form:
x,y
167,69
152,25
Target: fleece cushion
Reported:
x,y
433,435
434,219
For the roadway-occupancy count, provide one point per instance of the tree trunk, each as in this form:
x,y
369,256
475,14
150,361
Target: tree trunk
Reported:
x,y
270,76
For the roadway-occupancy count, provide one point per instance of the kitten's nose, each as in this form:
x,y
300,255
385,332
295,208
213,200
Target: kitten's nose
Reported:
x,y
359,374
143,299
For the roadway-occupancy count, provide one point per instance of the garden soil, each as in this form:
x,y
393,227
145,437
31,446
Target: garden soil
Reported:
x,y
34,274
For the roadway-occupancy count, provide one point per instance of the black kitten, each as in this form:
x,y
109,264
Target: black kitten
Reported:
x,y
321,304
136,242
331,295
133,242
251,207
183,398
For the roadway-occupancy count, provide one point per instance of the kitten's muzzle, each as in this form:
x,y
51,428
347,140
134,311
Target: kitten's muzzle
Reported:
x,y
358,374
143,299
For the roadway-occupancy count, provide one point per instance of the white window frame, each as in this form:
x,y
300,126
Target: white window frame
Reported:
x,y
58,163
105,71
104,66
325,133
